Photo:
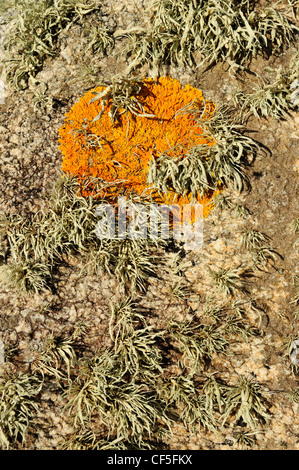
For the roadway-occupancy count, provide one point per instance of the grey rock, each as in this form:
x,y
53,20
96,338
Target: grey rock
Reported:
x,y
294,356
2,352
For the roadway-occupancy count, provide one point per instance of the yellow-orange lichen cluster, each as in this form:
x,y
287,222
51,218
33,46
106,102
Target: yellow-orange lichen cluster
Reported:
x,y
122,151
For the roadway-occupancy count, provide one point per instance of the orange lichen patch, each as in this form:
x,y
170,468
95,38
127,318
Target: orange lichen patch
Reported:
x,y
207,201
122,151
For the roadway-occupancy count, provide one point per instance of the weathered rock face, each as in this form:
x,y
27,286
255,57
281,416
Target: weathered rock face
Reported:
x,y
30,160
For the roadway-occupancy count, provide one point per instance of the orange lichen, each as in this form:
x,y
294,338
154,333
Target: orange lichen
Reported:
x,y
122,151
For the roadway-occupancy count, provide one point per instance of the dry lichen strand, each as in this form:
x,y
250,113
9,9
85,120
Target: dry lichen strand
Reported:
x,y
125,148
